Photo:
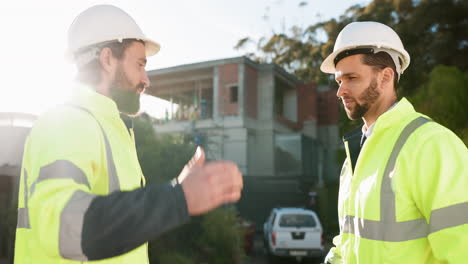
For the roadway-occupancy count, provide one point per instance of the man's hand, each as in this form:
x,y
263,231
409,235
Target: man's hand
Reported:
x,y
209,185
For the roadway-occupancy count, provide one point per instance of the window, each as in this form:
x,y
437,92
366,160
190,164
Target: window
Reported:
x,y
297,220
233,94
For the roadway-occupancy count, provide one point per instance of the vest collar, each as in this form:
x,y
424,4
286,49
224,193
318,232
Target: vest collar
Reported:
x,y
394,115
387,119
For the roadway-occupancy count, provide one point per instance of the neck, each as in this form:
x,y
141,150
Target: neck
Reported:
x,y
103,88
377,110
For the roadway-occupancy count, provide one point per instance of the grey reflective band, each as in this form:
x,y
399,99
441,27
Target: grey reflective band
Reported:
x,y
61,169
23,218
71,226
388,229
387,196
112,171
23,214
449,216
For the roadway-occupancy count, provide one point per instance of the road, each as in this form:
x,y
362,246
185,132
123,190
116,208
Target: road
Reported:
x,y
259,256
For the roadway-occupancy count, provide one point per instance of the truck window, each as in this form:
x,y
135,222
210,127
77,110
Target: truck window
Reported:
x,y
297,220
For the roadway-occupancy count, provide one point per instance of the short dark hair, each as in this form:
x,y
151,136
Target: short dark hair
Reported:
x,y
90,72
380,61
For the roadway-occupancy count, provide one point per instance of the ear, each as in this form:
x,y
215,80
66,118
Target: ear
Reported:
x,y
387,76
107,60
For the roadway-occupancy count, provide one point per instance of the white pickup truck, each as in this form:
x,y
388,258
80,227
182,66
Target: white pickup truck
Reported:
x,y
293,232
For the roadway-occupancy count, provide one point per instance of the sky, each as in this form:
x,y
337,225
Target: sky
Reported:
x,y
36,76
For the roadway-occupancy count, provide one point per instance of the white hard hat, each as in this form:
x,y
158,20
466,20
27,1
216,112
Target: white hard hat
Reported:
x,y
367,37
101,24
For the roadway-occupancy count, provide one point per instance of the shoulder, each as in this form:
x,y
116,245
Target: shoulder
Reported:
x,y
64,120
435,133
64,132
433,140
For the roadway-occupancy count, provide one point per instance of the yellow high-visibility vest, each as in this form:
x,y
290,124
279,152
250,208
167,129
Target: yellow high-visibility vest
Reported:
x,y
406,199
62,172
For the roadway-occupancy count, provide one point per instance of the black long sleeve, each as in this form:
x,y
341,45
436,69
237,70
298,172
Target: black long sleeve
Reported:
x,y
120,222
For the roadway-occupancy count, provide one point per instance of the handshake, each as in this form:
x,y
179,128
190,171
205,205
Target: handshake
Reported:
x,y
207,185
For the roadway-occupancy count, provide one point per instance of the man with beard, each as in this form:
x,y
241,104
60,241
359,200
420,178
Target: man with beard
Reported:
x,y
82,195
403,188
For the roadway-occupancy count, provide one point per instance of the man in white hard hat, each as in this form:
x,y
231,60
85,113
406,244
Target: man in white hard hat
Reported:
x,y
82,195
403,187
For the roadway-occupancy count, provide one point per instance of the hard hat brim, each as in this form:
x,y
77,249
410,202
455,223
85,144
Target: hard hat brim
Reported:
x,y
328,65
151,46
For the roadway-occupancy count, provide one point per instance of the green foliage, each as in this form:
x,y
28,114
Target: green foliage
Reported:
x,y
222,237
211,238
443,97
174,258
214,238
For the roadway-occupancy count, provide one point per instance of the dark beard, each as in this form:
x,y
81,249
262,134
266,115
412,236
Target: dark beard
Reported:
x,y
128,101
368,97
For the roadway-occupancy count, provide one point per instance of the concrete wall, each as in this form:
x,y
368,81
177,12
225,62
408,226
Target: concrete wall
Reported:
x,y
235,147
261,154
266,88
290,105
227,144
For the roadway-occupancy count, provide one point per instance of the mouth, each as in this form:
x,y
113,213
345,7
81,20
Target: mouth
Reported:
x,y
347,102
140,90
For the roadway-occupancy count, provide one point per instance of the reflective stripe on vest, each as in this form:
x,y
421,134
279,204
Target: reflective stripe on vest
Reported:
x,y
63,169
60,169
71,226
388,229
23,213
112,171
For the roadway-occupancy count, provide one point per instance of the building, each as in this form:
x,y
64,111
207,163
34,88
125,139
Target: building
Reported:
x,y
14,128
282,132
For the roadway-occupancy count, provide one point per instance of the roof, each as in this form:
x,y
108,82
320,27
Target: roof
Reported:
x,y
213,63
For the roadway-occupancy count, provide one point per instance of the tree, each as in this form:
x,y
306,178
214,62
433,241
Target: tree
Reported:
x,y
443,97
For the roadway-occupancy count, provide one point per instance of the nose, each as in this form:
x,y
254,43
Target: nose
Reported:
x,y
342,91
